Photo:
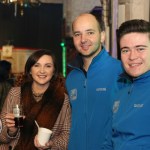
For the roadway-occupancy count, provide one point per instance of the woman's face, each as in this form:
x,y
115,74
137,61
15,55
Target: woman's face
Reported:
x,y
42,71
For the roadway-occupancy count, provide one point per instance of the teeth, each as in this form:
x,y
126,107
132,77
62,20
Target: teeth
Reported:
x,y
85,47
132,65
42,76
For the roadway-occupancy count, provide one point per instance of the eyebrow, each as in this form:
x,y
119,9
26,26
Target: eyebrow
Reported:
x,y
85,31
90,30
45,63
141,46
134,46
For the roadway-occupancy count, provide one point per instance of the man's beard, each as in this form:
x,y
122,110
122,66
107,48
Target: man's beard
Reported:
x,y
91,54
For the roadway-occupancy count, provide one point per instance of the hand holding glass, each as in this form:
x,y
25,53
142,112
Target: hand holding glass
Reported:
x,y
18,114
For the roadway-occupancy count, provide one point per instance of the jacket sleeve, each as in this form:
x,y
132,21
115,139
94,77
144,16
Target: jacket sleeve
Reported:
x,y
108,145
7,108
61,128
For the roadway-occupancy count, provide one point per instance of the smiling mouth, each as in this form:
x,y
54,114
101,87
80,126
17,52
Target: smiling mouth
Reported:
x,y
42,76
135,64
85,47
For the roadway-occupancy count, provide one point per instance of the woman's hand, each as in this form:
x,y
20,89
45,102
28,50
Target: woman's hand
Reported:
x,y
10,123
39,146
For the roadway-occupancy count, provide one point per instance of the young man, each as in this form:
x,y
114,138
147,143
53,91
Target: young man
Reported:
x,y
91,85
131,120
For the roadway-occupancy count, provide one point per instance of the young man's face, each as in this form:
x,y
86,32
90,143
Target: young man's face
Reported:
x,y
87,36
135,53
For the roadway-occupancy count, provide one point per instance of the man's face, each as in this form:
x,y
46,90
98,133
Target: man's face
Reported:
x,y
135,53
87,36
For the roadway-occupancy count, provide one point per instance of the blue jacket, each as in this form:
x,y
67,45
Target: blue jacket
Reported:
x,y
131,119
91,97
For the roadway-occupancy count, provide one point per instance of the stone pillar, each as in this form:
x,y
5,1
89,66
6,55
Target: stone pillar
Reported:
x,y
133,9
114,16
123,10
106,17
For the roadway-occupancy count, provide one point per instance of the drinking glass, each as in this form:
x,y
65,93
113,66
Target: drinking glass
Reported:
x,y
18,114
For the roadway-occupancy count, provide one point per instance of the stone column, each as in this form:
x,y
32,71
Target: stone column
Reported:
x,y
123,10
114,12
133,9
106,17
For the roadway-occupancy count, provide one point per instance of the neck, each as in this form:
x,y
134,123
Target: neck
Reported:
x,y
37,96
39,89
87,62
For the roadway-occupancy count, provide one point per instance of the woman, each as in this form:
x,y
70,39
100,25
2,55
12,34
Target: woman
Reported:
x,y
43,97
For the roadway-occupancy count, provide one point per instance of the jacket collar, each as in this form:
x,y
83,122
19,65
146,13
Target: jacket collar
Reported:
x,y
78,62
146,75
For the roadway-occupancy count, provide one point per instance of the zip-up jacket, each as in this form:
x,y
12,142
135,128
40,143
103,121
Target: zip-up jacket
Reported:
x,y
91,95
131,119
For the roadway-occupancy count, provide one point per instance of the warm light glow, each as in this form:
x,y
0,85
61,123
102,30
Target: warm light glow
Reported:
x,y
11,1
22,3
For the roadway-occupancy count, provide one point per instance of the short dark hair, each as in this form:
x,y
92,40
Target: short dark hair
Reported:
x,y
135,25
100,20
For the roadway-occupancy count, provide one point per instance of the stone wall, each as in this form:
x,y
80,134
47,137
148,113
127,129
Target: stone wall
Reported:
x,y
133,9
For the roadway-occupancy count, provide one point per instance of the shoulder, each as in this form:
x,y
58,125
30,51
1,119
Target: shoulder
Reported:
x,y
66,106
74,73
114,60
66,100
15,91
114,63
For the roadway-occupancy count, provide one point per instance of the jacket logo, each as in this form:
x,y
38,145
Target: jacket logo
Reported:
x,y
116,106
73,94
101,89
138,105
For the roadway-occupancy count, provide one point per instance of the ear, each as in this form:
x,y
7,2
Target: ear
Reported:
x,y
103,34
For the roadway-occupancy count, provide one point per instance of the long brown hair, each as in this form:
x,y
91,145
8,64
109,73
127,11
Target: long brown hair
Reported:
x,y
47,109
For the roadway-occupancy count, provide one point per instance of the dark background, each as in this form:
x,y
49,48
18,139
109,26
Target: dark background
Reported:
x,y
39,27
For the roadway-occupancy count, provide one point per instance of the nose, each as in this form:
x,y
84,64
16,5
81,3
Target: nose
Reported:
x,y
83,38
42,69
133,54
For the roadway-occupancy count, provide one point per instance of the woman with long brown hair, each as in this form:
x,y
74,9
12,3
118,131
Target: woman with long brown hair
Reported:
x,y
44,99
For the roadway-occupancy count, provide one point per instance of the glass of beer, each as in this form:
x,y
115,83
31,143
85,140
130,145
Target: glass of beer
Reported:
x,y
18,114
